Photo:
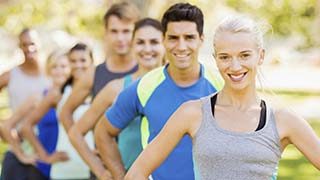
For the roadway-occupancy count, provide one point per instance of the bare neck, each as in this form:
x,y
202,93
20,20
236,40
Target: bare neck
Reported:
x,y
242,100
184,77
140,72
116,63
32,69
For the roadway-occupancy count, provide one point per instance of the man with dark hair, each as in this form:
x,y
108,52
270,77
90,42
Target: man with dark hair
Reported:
x,y
119,23
159,93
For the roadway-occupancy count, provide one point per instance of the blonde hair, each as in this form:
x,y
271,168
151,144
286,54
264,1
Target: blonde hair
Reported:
x,y
238,24
245,24
52,58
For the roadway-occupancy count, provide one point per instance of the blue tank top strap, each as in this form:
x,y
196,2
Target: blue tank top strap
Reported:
x,y
127,80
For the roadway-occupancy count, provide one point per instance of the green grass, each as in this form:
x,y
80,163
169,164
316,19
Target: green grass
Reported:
x,y
295,166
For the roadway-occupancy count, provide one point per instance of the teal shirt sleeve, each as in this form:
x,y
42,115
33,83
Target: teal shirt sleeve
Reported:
x,y
126,107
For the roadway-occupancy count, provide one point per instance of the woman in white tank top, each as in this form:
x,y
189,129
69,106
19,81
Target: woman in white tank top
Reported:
x,y
226,141
80,58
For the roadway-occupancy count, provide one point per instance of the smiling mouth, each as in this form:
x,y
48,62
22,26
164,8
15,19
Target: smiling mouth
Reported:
x,y
182,55
148,57
237,77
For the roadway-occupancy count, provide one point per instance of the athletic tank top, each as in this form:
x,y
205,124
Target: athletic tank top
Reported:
x,y
223,154
129,140
22,85
103,75
48,135
75,167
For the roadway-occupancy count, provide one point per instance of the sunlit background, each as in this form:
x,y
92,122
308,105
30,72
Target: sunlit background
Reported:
x,y
291,71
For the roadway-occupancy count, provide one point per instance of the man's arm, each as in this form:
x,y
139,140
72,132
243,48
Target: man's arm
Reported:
x,y
104,134
118,116
186,120
80,91
87,122
4,80
9,132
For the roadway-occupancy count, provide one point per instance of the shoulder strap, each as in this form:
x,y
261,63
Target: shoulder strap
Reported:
x,y
127,80
262,120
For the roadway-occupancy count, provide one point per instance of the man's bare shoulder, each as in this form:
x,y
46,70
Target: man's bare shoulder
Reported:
x,y
4,79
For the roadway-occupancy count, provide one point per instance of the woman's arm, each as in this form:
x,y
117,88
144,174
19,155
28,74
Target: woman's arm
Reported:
x,y
186,120
298,132
50,100
87,122
80,91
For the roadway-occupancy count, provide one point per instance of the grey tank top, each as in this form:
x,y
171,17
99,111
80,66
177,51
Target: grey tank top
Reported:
x,y
103,76
22,85
223,154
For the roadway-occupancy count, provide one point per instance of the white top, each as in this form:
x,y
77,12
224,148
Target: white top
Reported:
x,y
75,167
21,86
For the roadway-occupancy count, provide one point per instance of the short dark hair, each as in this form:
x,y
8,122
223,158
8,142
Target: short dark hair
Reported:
x,y
147,22
124,11
24,31
183,12
27,30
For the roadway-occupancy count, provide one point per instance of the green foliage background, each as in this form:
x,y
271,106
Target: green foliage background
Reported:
x,y
288,18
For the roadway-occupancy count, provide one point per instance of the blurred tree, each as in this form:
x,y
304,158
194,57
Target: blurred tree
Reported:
x,y
73,16
287,17
78,17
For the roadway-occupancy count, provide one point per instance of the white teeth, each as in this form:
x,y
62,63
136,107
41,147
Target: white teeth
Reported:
x,y
181,55
238,77
147,57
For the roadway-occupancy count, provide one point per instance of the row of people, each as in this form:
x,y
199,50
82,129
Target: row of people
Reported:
x,y
194,143
147,46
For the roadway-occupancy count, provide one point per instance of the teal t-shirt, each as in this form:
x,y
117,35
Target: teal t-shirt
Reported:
x,y
129,140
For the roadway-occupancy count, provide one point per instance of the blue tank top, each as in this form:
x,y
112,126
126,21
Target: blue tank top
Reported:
x,y
48,135
103,75
129,140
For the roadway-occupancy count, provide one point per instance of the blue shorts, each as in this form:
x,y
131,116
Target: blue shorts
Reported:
x,y
13,169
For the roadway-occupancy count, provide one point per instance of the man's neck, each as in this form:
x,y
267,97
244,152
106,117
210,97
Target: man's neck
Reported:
x,y
185,77
116,63
32,69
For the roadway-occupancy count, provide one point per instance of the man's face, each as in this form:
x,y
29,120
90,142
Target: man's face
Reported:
x,y
118,35
29,45
182,42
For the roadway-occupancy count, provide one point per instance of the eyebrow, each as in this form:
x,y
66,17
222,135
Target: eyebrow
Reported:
x,y
186,34
222,54
246,51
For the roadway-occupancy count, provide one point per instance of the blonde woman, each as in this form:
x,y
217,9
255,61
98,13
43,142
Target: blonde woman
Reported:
x,y
235,134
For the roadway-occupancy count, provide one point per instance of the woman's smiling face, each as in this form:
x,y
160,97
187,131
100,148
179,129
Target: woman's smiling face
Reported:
x,y
238,57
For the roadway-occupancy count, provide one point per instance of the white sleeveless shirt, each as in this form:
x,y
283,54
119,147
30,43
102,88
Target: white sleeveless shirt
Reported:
x,y
21,86
75,167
